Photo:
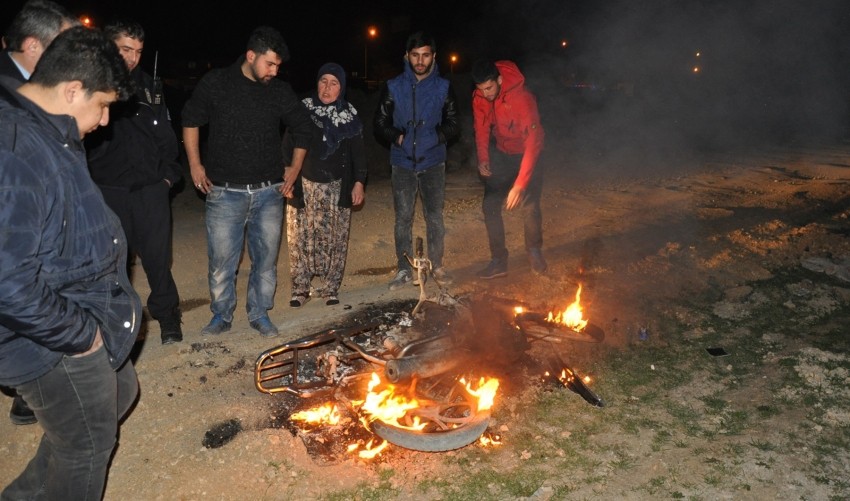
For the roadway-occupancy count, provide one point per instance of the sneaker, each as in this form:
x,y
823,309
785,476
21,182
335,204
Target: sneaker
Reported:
x,y
442,275
497,268
21,414
216,326
401,278
170,331
538,264
265,326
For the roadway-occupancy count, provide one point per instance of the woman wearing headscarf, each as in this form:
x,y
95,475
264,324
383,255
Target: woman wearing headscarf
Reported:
x,y
332,181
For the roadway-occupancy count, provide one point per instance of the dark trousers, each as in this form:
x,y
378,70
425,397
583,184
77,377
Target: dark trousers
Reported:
x,y
78,405
431,186
145,215
504,169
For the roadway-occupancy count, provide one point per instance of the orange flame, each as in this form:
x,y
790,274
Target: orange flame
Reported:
x,y
324,414
387,406
486,392
572,316
368,451
489,439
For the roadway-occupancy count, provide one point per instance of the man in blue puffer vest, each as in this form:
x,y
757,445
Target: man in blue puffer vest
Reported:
x,y
417,116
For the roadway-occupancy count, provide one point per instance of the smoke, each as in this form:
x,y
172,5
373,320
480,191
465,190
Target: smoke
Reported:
x,y
641,81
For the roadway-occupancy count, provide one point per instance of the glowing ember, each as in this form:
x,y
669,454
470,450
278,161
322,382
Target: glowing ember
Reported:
x,y
387,406
368,451
567,376
486,392
572,316
489,440
325,414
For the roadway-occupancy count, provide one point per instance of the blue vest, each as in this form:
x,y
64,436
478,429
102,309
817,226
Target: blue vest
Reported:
x,y
418,110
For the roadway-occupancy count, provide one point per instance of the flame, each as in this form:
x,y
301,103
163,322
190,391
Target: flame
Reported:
x,y
324,414
490,439
368,451
567,376
387,406
572,316
486,392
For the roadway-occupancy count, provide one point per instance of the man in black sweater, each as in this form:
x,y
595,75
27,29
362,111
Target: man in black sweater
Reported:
x,y
134,163
243,174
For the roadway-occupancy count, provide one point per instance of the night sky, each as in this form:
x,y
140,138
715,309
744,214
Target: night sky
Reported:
x,y
762,60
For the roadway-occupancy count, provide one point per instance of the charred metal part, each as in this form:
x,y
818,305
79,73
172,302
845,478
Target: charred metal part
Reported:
x,y
569,378
537,328
280,369
421,366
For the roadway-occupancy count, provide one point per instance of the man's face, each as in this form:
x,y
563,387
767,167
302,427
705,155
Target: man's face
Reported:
x,y
131,50
490,89
91,110
263,67
421,60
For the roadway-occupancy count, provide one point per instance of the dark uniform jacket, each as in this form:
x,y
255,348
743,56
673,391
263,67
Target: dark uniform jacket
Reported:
x,y
139,147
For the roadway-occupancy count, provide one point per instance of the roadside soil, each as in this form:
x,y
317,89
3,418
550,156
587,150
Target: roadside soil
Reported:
x,y
638,234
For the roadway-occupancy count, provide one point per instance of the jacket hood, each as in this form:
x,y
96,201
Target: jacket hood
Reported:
x,y
409,74
512,78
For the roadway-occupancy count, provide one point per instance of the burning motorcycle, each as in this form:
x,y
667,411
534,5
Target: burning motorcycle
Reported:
x,y
409,377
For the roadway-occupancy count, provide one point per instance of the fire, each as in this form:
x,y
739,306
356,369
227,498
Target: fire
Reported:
x,y
566,377
325,414
490,439
368,451
387,406
486,392
572,316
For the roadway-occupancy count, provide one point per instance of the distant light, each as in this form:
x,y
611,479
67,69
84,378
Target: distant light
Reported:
x,y
372,31
564,43
86,20
696,69
454,58
698,54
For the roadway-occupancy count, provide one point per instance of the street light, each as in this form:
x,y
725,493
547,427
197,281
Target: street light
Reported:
x,y
452,61
371,34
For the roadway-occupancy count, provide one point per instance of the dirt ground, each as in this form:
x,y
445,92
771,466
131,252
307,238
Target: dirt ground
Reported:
x,y
636,234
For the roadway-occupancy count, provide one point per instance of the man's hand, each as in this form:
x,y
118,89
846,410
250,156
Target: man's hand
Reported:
x,y
289,177
96,344
514,197
484,169
200,179
399,140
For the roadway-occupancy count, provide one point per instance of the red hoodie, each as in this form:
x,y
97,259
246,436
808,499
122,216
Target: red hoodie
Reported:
x,y
514,120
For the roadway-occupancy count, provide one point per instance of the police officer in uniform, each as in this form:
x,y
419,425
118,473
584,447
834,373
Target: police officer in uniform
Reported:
x,y
134,163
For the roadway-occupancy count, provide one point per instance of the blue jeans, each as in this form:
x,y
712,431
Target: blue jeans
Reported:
x,y
78,405
504,170
231,214
431,186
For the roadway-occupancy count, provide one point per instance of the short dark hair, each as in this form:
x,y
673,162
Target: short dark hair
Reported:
x,y
124,28
266,38
484,70
41,19
420,39
86,55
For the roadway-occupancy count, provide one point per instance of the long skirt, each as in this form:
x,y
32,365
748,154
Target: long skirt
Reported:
x,y
317,238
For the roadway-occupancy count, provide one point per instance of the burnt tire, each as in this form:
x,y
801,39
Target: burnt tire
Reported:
x,y
437,441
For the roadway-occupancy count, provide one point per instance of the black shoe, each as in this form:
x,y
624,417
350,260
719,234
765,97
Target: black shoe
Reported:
x,y
497,268
538,264
170,330
21,413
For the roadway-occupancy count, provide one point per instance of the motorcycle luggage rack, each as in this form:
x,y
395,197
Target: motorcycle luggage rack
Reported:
x,y
277,369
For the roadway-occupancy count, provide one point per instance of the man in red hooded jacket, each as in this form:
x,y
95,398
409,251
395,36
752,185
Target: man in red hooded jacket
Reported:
x,y
506,111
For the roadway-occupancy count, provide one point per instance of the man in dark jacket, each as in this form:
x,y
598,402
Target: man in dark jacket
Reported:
x,y
417,116
31,31
68,314
243,175
134,163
